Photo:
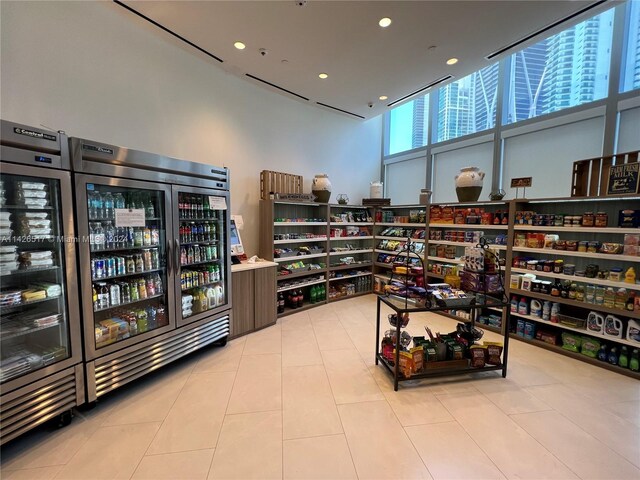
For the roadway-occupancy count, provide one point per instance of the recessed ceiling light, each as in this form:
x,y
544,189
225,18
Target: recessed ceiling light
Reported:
x,y
384,22
383,97
323,75
239,45
452,61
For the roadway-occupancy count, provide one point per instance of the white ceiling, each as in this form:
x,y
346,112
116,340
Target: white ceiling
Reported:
x,y
343,39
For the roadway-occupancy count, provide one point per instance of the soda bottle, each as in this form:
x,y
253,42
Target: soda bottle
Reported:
x,y
180,205
300,298
313,294
183,256
200,206
206,212
190,254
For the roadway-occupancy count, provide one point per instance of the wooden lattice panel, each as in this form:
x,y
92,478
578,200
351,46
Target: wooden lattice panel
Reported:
x,y
279,182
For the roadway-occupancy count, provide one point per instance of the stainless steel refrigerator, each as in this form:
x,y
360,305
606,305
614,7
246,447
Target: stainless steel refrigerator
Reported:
x,y
40,354
155,272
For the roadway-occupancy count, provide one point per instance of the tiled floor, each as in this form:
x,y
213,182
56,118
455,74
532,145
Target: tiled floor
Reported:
x,y
304,400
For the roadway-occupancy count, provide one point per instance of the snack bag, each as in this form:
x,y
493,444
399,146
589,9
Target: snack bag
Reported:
x,y
494,352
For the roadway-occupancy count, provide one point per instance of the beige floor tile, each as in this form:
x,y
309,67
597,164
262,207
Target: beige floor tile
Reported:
x,y
149,404
318,458
332,337
195,419
527,374
630,411
500,437
299,347
582,453
323,316
193,465
309,409
111,453
42,473
49,447
619,388
250,446
618,434
449,452
294,321
258,385
349,377
510,397
224,359
390,455
267,340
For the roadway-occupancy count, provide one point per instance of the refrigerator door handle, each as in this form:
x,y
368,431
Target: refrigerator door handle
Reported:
x,y
177,255
169,258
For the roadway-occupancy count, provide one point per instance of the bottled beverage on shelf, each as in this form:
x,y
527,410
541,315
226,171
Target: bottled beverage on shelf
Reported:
x,y
313,294
280,302
300,298
155,235
109,236
151,317
94,205
118,201
146,236
183,256
138,237
149,208
180,205
190,254
206,208
107,201
92,236
98,236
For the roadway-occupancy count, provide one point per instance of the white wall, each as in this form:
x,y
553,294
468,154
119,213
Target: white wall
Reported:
x,y
548,156
98,72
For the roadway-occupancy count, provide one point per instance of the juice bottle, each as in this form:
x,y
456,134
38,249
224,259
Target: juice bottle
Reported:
x,y
211,298
609,297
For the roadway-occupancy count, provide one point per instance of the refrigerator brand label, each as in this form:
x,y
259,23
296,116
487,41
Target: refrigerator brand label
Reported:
x,y
129,217
41,159
34,134
96,148
217,203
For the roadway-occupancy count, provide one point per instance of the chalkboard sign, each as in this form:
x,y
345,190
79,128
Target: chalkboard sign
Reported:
x,y
521,182
624,179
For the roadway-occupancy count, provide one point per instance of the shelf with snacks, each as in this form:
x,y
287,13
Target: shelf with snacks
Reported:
x,y
320,239
300,224
301,273
464,244
579,279
27,331
576,229
476,226
299,257
346,277
351,252
347,266
30,270
400,224
350,238
14,306
389,237
285,286
356,224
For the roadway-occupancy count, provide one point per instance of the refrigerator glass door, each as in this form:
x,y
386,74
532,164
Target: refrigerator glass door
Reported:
x,y
35,331
201,247
125,269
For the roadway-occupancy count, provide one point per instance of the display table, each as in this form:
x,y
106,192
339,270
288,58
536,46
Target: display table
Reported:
x,y
254,297
400,306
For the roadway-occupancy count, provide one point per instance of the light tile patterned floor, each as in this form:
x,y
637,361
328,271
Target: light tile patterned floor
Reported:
x,y
304,400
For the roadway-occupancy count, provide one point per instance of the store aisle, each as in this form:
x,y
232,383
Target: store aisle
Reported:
x,y
304,400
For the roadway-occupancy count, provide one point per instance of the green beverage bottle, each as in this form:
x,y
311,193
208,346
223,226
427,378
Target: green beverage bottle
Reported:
x,y
313,294
634,363
623,360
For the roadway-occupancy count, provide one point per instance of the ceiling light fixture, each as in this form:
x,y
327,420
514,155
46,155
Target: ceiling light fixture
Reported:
x,y
452,61
383,97
384,22
323,75
239,45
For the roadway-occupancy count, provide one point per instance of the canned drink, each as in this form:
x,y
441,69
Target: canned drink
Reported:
x,y
99,268
183,281
121,266
110,266
155,258
189,280
146,258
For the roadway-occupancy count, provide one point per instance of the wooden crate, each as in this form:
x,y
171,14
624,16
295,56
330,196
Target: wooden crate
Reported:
x,y
279,182
590,177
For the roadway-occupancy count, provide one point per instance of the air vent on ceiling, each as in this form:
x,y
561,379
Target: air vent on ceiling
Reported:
x,y
171,32
339,110
544,29
276,86
432,84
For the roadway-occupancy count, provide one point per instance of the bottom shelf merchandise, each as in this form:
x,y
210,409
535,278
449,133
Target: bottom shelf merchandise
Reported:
x,y
299,298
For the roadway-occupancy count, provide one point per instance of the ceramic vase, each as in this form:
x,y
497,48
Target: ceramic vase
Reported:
x,y
321,188
469,184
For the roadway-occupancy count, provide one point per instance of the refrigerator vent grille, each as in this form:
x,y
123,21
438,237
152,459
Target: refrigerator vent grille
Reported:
x,y
155,354
22,412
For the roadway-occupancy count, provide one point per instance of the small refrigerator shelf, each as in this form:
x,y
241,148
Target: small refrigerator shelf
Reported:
x,y
217,260
121,305
126,275
11,308
123,249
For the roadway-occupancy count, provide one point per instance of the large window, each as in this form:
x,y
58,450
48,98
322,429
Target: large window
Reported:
x,y
564,70
630,79
408,125
468,105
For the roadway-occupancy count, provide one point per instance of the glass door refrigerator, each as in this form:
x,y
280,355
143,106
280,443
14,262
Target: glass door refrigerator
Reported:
x,y
137,315
41,371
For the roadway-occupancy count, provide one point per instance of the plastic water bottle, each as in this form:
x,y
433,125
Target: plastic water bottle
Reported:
x,y
108,206
118,200
110,235
98,237
91,203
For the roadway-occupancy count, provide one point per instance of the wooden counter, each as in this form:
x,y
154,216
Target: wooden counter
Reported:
x,y
254,297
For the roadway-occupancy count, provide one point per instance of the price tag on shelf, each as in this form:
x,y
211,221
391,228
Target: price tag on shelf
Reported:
x,y
217,203
130,217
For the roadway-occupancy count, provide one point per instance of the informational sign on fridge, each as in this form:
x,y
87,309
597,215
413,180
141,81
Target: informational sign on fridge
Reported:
x,y
129,217
217,203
